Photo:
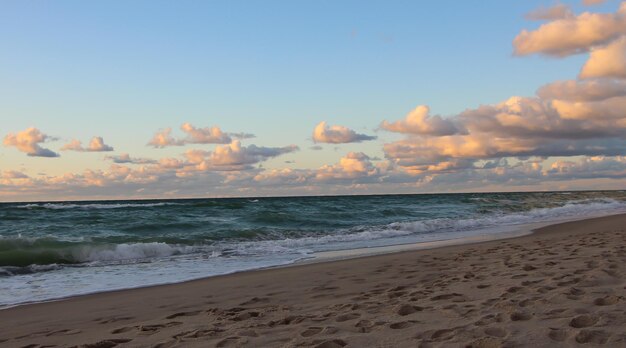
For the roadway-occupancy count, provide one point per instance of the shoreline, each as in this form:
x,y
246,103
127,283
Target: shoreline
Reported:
x,y
506,232
88,321
498,233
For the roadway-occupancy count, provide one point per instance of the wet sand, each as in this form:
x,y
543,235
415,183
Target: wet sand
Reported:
x,y
562,286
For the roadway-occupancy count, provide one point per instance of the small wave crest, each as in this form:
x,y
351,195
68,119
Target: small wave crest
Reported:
x,y
19,255
581,208
22,252
57,206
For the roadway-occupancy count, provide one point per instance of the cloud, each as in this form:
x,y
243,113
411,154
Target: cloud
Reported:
x,y
583,91
28,141
558,11
353,165
607,61
324,133
419,121
571,35
126,159
242,135
163,138
96,144
207,135
593,2
588,168
195,135
589,120
13,174
14,179
236,155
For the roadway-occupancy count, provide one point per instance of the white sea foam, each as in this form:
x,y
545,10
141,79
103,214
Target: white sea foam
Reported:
x,y
93,205
304,245
140,264
452,228
130,251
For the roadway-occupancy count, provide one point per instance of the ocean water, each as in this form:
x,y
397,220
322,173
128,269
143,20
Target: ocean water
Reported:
x,y
59,249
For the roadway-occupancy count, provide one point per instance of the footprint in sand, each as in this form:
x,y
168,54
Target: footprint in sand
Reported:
x,y
64,332
336,343
311,331
113,342
401,325
520,316
592,336
558,335
485,342
407,309
365,326
346,317
146,329
606,301
198,333
234,341
583,320
292,319
112,320
183,314
496,332
255,300
442,334
454,297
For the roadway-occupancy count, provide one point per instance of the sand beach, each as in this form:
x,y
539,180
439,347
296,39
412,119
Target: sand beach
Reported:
x,y
561,286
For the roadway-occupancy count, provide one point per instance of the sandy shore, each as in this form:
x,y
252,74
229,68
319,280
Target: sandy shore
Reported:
x,y
559,287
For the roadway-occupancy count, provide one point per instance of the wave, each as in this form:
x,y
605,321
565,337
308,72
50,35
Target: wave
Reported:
x,y
42,254
432,227
21,252
93,205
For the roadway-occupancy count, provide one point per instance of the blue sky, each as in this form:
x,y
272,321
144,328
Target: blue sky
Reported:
x,y
123,70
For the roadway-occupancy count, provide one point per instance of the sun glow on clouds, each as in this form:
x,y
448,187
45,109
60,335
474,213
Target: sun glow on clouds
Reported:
x,y
323,133
28,141
95,145
573,130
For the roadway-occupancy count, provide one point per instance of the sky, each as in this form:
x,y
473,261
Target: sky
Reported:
x,y
161,99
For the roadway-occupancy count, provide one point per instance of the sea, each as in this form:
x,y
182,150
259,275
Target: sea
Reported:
x,y
52,250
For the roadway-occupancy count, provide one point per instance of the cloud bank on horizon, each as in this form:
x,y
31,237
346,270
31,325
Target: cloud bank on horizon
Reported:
x,y
572,130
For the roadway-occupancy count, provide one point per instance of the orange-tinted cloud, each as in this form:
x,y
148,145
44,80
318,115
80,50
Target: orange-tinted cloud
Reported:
x,y
323,133
96,144
572,35
419,121
558,11
593,2
28,141
607,61
195,135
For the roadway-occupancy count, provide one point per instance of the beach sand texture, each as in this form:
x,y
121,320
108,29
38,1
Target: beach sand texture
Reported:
x,y
562,286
